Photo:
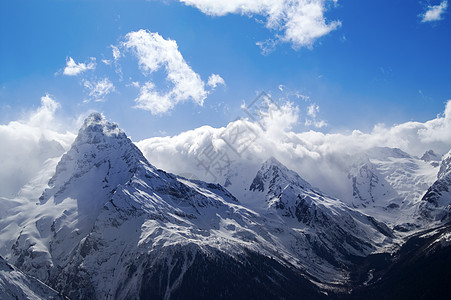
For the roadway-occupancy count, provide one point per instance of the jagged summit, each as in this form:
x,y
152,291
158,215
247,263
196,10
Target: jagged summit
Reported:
x,y
101,151
383,153
97,129
333,225
430,155
101,159
274,173
104,139
272,161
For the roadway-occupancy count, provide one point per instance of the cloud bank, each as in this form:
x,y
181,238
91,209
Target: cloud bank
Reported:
x,y
27,144
298,22
435,12
316,156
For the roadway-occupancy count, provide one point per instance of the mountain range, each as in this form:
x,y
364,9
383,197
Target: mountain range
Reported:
x,y
102,222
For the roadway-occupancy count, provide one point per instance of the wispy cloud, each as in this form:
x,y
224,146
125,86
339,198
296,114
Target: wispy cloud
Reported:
x,y
153,53
97,90
73,69
300,22
434,13
311,119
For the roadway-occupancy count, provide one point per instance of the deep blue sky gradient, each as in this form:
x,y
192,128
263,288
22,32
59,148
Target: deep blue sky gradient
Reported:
x,y
370,70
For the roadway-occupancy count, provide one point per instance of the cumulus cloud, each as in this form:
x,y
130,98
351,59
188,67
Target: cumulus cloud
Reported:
x,y
28,143
153,53
435,12
299,22
73,69
214,80
97,90
318,157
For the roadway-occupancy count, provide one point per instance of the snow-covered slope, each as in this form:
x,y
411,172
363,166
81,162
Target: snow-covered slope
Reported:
x,y
432,157
388,184
16,285
408,175
108,218
369,186
103,223
436,204
331,228
108,222
418,269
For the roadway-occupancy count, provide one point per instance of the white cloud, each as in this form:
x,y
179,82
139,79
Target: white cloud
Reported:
x,y
214,80
116,52
312,112
44,115
315,123
28,143
318,157
98,90
73,69
435,12
267,46
153,53
300,22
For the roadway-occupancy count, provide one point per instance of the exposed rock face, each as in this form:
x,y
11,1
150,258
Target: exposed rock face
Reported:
x,y
14,284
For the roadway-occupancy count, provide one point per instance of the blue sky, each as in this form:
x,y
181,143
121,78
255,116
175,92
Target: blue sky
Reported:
x,y
383,64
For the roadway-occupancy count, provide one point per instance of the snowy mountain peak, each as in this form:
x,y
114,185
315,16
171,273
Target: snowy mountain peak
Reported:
x,y
430,155
101,152
272,161
97,129
383,153
101,160
273,173
436,202
445,166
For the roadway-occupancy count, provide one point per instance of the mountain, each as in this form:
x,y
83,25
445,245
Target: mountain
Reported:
x,y
103,223
388,184
436,205
432,157
16,285
369,186
417,270
109,224
334,231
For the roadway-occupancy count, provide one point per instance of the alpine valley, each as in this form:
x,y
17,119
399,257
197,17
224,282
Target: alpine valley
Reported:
x,y
101,222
